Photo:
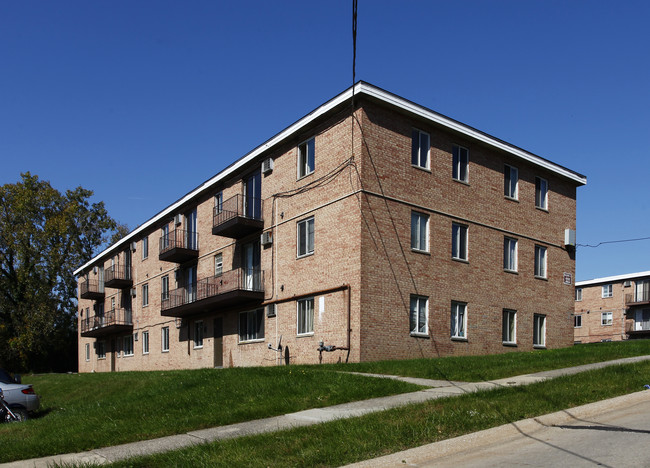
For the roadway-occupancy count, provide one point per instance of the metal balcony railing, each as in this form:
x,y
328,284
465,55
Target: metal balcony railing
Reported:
x,y
238,216
91,289
111,318
637,297
179,239
240,279
117,275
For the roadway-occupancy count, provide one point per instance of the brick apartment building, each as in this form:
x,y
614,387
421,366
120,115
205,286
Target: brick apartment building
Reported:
x,y
373,226
613,308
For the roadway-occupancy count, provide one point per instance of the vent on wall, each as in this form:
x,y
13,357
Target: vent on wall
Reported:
x,y
270,310
267,165
266,238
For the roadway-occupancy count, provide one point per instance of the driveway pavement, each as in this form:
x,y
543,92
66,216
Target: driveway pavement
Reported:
x,y
437,389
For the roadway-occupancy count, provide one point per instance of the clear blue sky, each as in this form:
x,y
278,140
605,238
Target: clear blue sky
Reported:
x,y
141,101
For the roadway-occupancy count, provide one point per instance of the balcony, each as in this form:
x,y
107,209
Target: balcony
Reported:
x,y
235,287
238,217
636,328
91,289
113,321
179,246
637,298
118,277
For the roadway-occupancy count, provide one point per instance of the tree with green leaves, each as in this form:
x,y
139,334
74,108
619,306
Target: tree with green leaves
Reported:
x,y
44,236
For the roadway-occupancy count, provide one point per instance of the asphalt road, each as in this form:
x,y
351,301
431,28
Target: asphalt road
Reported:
x,y
611,433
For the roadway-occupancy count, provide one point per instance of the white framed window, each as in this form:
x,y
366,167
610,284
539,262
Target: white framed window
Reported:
x,y
306,316
511,182
509,254
539,330
540,261
458,319
509,326
87,351
418,316
306,158
101,350
420,147
305,237
541,193
218,203
460,164
127,346
164,338
458,241
198,334
145,247
577,321
218,264
145,342
419,231
607,291
606,318
164,237
164,288
578,294
145,294
251,325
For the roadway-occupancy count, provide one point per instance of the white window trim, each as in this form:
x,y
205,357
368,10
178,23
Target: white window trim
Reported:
x,y
544,263
543,205
218,271
254,340
514,333
578,290
162,340
515,196
426,317
460,165
303,165
610,292
101,351
543,334
307,251
313,312
87,352
454,314
198,325
462,227
145,247
130,353
145,295
516,254
611,319
428,155
145,341
426,239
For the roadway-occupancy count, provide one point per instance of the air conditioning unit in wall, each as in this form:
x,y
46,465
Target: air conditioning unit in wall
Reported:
x,y
132,292
266,238
570,237
133,245
627,284
267,166
178,219
95,269
271,310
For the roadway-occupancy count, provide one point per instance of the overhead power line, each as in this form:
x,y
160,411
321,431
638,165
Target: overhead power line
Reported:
x,y
613,242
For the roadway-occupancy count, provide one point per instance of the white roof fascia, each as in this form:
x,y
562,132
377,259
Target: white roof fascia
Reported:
x,y
613,279
359,88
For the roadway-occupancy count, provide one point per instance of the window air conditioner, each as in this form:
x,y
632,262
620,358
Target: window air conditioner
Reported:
x,y
570,237
267,165
266,238
133,245
132,292
270,310
627,284
95,269
178,219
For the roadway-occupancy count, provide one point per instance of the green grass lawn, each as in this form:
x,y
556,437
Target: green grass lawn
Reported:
x,y
352,440
81,412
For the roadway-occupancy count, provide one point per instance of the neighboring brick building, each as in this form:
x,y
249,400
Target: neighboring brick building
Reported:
x,y
613,308
399,233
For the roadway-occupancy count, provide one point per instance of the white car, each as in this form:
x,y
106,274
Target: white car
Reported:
x,y
20,398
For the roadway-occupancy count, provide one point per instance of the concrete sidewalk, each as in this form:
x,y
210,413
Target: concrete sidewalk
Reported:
x,y
437,389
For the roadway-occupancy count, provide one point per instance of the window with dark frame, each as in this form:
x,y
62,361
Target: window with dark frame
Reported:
x,y
460,163
420,148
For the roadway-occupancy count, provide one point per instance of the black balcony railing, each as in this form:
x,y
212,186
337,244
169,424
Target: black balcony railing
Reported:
x,y
112,321
637,297
237,217
91,289
118,276
235,286
179,246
